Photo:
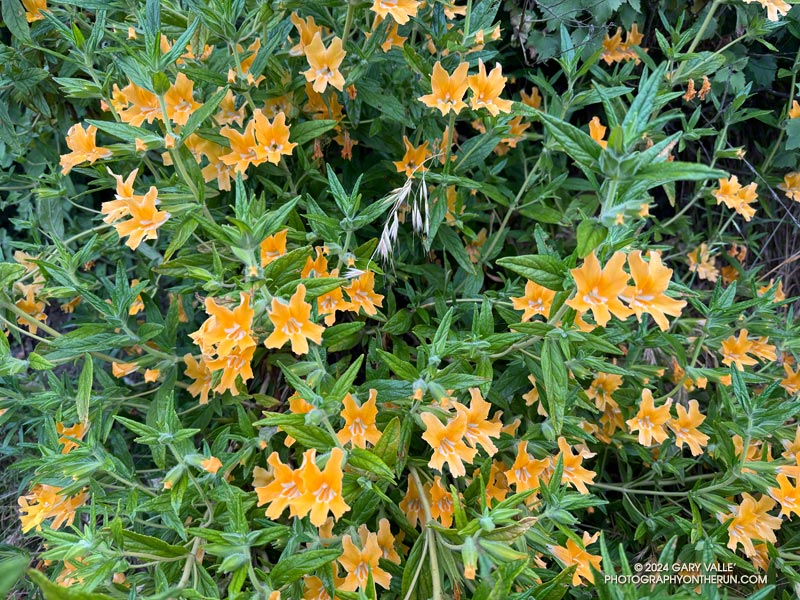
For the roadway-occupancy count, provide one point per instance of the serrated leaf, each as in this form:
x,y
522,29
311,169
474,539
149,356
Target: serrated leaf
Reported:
x,y
293,567
83,395
545,270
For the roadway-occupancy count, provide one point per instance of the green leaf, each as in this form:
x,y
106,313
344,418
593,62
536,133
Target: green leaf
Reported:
x,y
664,172
590,235
9,274
14,19
310,130
556,381
793,134
39,362
368,461
343,383
126,132
53,591
138,542
545,270
84,393
199,116
386,448
12,568
291,568
577,144
399,367
637,117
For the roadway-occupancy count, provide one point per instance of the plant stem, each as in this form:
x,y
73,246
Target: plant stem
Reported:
x,y
430,535
706,22
348,20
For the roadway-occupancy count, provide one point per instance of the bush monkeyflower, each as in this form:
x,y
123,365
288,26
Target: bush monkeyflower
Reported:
x,y
359,563
180,101
69,436
576,554
702,263
359,422
735,350
145,220
307,28
536,301
413,160
599,289
447,442
750,520
524,473
45,502
84,148
283,491
479,429
292,322
400,10
685,428
411,505
441,503
597,131
225,330
651,280
775,8
33,9
448,91
199,371
322,489
573,471
273,247
791,185
324,64
787,495
273,137
650,421
234,364
486,90
736,197
362,294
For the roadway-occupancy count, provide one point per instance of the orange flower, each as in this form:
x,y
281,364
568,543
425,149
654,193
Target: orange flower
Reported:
x,y
84,148
180,101
45,502
362,294
393,38
524,473
307,28
385,538
791,383
329,303
574,554
534,99
283,491
244,148
791,184
448,443
651,280
536,301
597,131
787,495
226,329
216,167
324,64
151,375
145,219
317,267
360,563
122,369
480,429
736,197
532,397
234,364
411,504
273,138
30,306
486,90
399,10
447,91
601,388
441,503
598,289
273,247
211,464
199,371
615,50
702,263
775,8
322,490
228,114
751,521
359,422
685,428
574,473
33,9
649,421
68,436
735,350
780,296
497,483
143,105
293,323
414,159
